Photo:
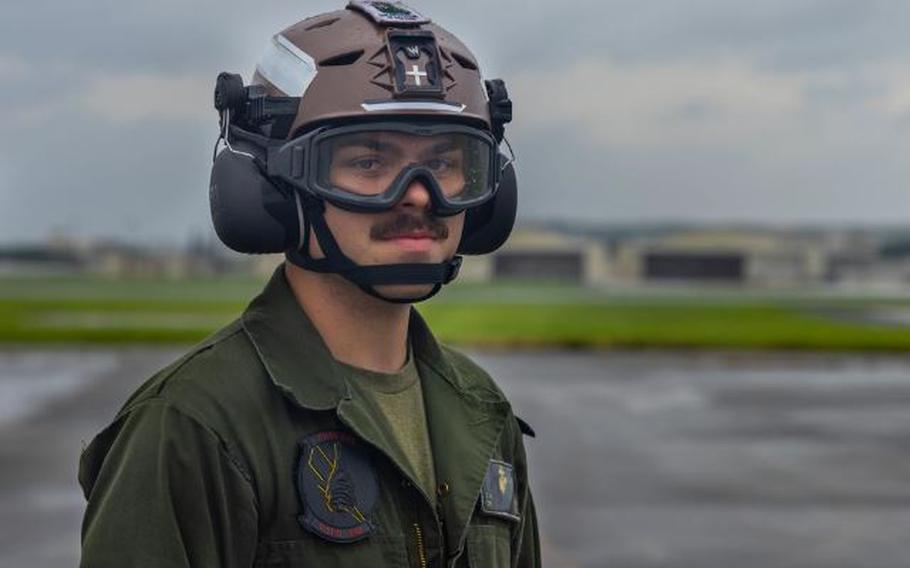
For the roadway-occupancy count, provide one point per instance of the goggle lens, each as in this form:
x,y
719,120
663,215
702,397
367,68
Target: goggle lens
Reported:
x,y
369,163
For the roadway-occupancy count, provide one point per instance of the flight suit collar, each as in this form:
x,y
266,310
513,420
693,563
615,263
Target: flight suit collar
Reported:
x,y
291,349
300,363
465,422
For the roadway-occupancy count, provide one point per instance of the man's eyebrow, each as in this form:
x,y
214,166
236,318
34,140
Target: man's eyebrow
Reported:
x,y
441,147
368,142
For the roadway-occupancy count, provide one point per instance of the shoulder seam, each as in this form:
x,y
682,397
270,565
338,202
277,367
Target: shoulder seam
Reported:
x,y
199,349
242,470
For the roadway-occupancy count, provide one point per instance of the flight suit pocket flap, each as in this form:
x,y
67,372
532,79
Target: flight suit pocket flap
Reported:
x,y
488,546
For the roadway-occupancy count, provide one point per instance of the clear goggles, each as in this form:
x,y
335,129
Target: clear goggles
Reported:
x,y
369,167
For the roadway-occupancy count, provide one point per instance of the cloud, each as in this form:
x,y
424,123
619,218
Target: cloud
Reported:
x,y
691,102
49,93
767,110
894,99
139,97
710,103
712,138
11,67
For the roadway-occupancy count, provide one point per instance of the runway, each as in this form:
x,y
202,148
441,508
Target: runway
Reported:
x,y
648,459
642,459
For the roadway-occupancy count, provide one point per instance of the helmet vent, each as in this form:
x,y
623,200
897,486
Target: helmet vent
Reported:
x,y
464,61
323,24
343,59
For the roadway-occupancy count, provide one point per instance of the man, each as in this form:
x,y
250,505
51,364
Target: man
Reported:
x,y
326,426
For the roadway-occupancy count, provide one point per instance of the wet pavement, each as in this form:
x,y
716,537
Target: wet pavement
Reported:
x,y
712,460
76,393
642,459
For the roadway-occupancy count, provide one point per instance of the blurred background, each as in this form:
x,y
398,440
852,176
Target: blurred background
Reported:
x,y
704,311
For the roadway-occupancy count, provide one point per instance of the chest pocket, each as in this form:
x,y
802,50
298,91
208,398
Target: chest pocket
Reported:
x,y
488,541
488,545
378,551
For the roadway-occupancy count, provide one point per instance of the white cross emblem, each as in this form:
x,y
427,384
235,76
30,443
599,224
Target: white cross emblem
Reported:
x,y
416,73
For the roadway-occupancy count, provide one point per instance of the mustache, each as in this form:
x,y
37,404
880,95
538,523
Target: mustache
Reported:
x,y
404,224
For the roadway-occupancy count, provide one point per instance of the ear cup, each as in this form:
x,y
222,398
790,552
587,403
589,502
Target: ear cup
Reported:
x,y
486,228
250,214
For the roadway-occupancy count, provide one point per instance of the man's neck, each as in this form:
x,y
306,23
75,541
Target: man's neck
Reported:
x,y
358,329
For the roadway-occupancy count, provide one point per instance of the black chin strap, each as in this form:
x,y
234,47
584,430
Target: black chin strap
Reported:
x,y
365,277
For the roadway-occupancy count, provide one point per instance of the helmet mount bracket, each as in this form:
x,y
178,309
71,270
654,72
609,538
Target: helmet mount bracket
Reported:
x,y
251,108
415,61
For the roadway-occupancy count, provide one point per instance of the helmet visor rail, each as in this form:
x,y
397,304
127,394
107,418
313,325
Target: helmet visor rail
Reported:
x,y
369,167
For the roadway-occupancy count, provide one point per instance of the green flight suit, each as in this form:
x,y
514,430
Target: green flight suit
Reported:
x,y
200,466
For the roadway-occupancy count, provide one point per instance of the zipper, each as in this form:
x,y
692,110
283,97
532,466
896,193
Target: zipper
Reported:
x,y
421,551
418,533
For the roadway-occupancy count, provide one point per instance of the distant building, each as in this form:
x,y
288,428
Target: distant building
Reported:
x,y
590,256
541,255
759,258
891,276
38,261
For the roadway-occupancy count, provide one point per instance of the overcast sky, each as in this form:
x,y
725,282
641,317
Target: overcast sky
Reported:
x,y
704,110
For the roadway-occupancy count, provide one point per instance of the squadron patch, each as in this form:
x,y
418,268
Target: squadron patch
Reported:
x,y
337,487
388,13
497,496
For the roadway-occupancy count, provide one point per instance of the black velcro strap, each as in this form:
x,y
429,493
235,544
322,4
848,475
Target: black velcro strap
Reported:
x,y
526,428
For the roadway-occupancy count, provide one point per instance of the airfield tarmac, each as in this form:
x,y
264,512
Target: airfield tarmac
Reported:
x,y
642,458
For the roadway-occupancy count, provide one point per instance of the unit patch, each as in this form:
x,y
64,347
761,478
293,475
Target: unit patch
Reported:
x,y
497,496
337,487
388,13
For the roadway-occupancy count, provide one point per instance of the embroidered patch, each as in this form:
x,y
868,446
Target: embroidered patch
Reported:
x,y
388,13
497,497
337,487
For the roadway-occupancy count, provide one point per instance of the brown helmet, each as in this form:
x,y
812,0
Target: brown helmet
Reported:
x,y
373,60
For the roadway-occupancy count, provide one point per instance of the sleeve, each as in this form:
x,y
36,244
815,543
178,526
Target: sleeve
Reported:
x,y
526,548
162,491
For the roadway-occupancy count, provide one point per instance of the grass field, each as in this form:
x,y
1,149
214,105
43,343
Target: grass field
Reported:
x,y
84,310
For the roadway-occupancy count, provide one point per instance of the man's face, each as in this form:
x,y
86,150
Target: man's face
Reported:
x,y
409,232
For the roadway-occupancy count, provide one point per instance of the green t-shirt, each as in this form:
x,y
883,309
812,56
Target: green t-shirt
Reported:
x,y
398,401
